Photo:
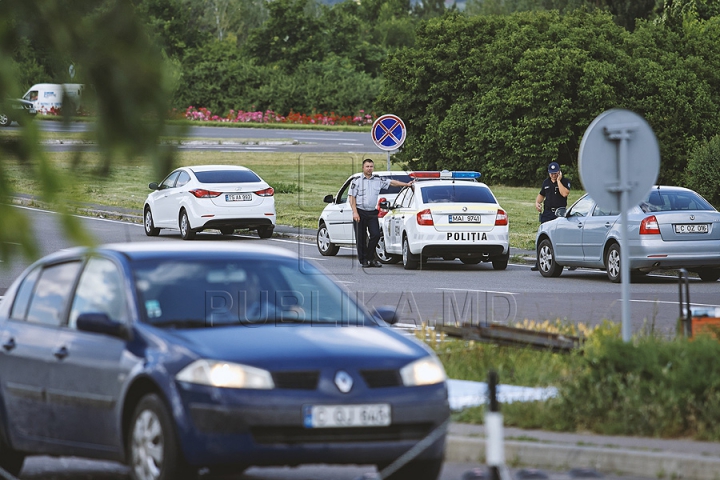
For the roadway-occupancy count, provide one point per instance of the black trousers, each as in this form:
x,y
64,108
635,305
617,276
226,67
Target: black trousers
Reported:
x,y
368,224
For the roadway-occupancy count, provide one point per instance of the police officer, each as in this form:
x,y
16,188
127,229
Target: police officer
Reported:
x,y
553,195
363,197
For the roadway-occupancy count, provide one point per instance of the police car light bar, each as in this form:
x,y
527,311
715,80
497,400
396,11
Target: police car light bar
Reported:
x,y
444,174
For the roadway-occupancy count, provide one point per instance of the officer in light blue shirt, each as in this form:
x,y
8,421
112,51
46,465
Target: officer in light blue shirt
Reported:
x,y
363,195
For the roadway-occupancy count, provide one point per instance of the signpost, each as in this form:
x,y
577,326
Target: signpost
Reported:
x,y
619,161
388,133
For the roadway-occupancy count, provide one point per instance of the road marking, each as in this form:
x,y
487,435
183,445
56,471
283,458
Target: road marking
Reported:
x,y
470,290
672,303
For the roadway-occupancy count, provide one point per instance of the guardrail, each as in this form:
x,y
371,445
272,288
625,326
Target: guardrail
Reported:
x,y
511,336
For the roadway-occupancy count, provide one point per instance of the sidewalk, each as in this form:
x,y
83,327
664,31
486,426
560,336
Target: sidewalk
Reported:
x,y
646,457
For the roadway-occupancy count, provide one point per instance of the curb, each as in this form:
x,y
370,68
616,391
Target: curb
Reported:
x,y
657,464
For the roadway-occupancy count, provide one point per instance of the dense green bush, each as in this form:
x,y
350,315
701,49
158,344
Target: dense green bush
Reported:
x,y
703,171
508,94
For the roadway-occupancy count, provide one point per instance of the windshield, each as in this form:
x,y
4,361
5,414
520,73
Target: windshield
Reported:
x,y
453,193
227,176
394,190
204,293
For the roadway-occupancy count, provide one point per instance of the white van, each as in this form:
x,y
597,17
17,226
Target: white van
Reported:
x,y
46,96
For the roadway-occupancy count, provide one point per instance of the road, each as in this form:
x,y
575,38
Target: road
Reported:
x,y
444,292
300,141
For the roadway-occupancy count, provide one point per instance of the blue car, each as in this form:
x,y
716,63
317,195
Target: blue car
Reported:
x,y
174,358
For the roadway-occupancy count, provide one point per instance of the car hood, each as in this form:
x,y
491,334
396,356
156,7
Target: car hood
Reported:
x,y
302,346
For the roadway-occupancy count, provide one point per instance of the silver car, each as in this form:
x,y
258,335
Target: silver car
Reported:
x,y
673,227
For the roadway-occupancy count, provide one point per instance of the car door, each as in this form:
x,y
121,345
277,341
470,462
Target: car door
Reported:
x,y
30,352
339,217
595,233
405,217
568,234
391,224
164,212
84,389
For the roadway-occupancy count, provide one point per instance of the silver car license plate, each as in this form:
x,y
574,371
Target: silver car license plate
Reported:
x,y
691,228
465,218
238,197
335,416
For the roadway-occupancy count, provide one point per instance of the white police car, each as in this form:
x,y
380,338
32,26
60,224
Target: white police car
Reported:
x,y
335,225
449,215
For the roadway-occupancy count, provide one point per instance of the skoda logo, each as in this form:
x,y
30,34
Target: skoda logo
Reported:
x,y
464,209
692,217
343,381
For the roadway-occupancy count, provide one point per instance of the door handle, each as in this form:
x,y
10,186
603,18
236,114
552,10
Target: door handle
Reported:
x,y
9,345
61,353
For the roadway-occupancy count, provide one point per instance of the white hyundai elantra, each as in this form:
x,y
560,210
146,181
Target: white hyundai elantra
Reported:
x,y
219,197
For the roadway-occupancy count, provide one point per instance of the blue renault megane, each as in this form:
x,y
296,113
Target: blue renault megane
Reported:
x,y
175,358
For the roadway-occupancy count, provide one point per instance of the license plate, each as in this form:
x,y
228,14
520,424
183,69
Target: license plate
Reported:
x,y
465,218
692,228
238,197
336,416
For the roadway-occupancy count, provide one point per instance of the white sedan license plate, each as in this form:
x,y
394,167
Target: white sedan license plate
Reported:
x,y
465,219
335,416
691,228
238,197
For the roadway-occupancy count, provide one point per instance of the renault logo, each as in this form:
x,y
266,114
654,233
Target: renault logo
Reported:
x,y
343,381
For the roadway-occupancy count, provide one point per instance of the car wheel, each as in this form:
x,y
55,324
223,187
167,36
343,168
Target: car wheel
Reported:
x,y
11,460
186,231
150,229
501,262
153,449
227,230
471,260
410,261
265,232
612,263
419,470
382,255
324,245
4,120
546,260
709,274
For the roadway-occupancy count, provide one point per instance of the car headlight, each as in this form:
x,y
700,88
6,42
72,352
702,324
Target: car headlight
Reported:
x,y
225,375
426,371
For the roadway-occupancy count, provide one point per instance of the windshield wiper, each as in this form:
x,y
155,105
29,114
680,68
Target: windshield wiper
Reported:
x,y
184,323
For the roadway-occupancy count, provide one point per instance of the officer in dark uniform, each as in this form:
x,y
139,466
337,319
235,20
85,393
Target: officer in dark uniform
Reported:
x,y
363,196
553,195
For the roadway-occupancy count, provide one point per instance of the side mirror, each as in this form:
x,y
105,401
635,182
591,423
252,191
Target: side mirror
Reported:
x,y
153,186
329,199
560,212
101,323
384,205
387,314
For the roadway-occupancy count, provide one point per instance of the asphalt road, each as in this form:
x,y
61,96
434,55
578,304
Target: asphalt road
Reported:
x,y
442,292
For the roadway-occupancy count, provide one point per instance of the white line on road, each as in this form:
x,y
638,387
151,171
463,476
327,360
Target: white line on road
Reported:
x,y
470,290
671,303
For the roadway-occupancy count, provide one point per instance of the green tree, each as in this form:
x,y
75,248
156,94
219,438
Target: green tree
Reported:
x,y
703,170
114,55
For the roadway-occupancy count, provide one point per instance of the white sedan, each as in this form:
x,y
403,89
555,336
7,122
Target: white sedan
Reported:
x,y
449,215
219,197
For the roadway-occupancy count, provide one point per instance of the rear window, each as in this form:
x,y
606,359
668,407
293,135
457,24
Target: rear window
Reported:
x,y
457,194
659,200
227,176
395,190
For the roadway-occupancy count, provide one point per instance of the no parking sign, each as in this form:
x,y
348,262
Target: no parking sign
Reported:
x,y
388,132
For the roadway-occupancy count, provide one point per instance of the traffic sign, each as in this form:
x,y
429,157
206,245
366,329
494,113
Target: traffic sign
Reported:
x,y
388,132
616,140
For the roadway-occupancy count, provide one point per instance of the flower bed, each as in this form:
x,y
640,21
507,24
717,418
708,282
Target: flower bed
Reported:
x,y
204,115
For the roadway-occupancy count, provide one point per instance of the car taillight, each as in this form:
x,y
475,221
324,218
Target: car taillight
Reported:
x,y
649,226
202,193
424,217
381,212
501,218
268,192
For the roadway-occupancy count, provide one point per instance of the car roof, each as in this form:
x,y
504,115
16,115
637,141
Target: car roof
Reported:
x,y
209,168
160,249
444,181
383,173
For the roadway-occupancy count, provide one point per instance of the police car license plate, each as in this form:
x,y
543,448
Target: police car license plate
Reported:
x,y
335,416
238,197
691,228
465,218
